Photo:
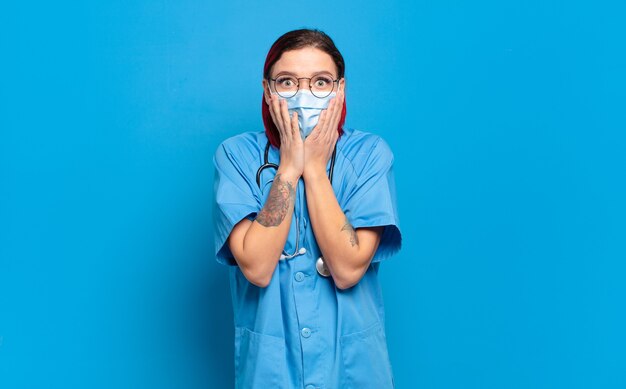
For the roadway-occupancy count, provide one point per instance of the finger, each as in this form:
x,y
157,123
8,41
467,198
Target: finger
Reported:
x,y
333,139
330,113
284,108
316,129
335,135
276,115
337,115
279,115
273,113
280,121
284,113
295,127
319,128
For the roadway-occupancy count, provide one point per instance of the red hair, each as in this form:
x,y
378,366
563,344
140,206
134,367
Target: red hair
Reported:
x,y
294,40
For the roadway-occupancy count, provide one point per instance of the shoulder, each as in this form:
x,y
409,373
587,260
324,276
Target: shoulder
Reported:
x,y
363,148
242,148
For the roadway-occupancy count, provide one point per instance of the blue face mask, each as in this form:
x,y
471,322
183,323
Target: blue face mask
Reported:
x,y
309,109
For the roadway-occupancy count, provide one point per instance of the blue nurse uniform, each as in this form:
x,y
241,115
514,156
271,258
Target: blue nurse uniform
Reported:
x,y
301,331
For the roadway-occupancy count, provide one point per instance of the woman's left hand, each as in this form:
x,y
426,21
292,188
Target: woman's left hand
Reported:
x,y
319,145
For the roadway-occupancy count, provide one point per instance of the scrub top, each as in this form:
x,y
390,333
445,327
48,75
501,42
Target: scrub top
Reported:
x,y
301,331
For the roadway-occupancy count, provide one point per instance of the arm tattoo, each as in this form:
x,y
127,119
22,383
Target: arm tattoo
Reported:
x,y
351,231
281,196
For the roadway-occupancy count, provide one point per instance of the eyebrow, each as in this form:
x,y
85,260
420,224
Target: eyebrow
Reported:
x,y
314,74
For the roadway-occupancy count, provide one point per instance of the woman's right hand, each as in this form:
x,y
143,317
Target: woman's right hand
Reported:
x,y
291,144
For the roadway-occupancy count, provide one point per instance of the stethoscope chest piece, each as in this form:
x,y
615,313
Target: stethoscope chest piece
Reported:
x,y
322,269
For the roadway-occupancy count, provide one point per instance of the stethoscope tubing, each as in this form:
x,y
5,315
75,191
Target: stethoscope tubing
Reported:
x,y
321,268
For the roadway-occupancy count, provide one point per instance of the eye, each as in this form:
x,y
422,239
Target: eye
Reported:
x,y
286,81
322,81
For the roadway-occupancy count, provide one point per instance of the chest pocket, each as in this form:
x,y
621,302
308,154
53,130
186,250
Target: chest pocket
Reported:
x,y
260,360
365,360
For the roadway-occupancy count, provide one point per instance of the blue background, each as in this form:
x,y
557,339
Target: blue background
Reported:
x,y
508,128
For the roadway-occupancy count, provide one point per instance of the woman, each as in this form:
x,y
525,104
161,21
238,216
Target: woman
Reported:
x,y
304,238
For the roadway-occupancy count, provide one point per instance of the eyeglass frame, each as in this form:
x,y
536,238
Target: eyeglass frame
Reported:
x,y
308,78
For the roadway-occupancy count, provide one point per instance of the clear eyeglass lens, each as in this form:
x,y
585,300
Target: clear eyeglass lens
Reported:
x,y
321,85
286,86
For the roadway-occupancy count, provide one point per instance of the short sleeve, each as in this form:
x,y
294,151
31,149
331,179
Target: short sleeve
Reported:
x,y
372,200
235,199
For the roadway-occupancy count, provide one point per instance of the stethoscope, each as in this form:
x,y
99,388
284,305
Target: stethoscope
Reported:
x,y
321,267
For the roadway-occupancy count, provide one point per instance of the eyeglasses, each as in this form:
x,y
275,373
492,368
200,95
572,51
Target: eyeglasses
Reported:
x,y
320,85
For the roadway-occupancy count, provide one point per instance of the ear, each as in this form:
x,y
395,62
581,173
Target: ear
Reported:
x,y
266,91
342,85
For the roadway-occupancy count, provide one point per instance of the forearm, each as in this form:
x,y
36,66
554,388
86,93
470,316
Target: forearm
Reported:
x,y
335,236
265,239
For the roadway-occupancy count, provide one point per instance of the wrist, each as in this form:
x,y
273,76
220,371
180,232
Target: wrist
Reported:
x,y
314,173
288,174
